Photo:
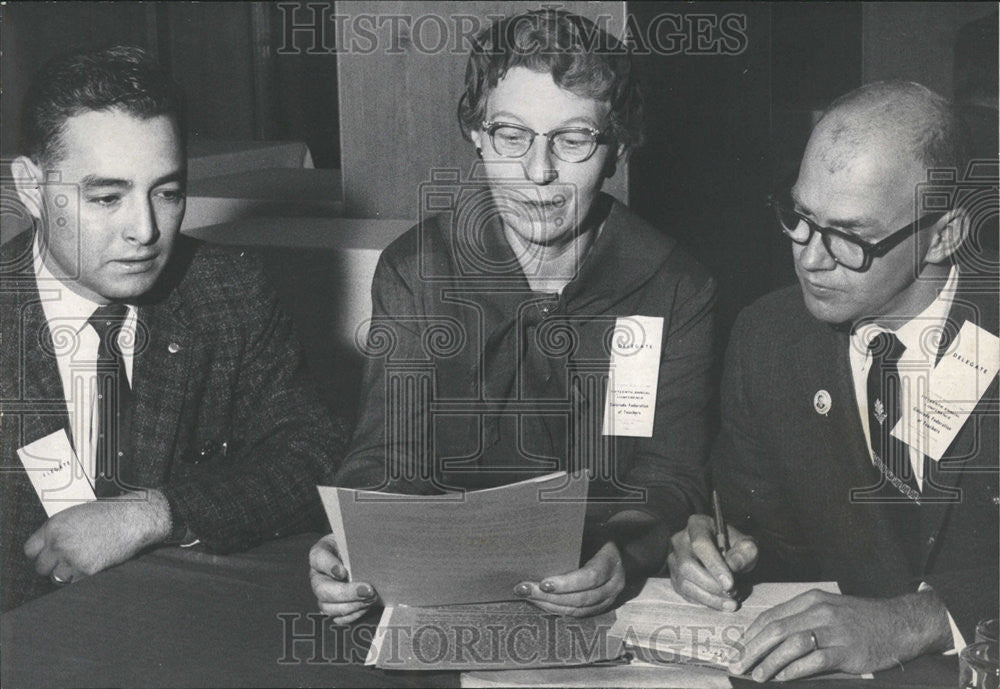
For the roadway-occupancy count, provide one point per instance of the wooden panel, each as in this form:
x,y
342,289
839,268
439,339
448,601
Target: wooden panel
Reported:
x,y
398,109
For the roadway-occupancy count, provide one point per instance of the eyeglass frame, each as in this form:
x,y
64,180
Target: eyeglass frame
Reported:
x,y
869,250
600,137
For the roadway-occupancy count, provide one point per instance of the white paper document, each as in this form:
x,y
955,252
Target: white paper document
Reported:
x,y
630,402
940,409
471,547
56,473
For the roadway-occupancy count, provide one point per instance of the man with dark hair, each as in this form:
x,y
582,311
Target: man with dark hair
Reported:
x,y
859,419
152,387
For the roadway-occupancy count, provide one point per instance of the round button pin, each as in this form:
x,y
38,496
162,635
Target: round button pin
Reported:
x,y
822,402
173,348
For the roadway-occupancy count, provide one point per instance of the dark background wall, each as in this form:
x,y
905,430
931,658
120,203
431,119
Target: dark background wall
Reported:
x,y
222,53
726,130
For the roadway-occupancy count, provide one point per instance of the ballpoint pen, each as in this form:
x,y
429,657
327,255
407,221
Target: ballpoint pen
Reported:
x,y
721,532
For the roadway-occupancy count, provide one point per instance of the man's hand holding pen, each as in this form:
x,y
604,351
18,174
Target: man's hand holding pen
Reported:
x,y
811,633
705,559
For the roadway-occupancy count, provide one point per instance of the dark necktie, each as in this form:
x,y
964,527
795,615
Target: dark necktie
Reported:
x,y
892,455
114,402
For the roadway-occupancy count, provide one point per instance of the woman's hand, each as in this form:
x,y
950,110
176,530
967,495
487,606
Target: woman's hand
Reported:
x,y
344,601
586,591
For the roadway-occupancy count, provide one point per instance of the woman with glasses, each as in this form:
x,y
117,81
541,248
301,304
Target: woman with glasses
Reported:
x,y
534,300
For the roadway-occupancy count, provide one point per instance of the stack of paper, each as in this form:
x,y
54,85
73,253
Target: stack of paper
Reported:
x,y
512,635
670,643
662,627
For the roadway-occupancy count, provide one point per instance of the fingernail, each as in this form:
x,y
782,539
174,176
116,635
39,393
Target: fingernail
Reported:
x,y
522,590
758,675
729,606
727,582
364,591
338,572
547,586
735,669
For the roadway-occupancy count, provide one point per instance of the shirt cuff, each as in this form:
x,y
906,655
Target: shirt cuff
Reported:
x,y
958,641
180,532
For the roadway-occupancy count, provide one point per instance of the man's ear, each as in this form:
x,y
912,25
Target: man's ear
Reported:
x,y
477,140
28,182
947,236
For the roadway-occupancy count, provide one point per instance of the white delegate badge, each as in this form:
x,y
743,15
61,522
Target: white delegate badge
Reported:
x,y
953,390
630,402
56,473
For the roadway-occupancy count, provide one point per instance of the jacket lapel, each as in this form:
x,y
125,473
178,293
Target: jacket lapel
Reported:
x,y
42,386
841,465
161,374
821,363
31,371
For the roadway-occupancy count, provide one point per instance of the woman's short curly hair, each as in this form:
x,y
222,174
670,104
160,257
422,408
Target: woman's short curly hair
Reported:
x,y
580,56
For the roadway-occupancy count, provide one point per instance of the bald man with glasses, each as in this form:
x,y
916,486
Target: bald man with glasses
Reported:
x,y
848,451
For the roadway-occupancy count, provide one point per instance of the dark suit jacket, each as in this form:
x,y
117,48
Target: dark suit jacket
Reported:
x,y
785,472
223,424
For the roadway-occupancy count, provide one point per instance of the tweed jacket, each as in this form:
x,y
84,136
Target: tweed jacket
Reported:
x,y
224,424
785,470
516,379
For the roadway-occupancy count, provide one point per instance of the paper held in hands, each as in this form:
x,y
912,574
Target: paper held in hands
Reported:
x,y
471,547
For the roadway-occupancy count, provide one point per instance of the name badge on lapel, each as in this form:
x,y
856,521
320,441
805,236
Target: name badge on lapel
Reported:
x,y
630,402
955,386
56,473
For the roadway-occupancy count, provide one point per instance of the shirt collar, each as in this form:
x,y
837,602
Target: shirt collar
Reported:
x,y
910,334
931,319
68,306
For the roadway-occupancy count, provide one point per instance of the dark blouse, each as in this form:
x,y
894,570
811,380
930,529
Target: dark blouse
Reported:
x,y
473,380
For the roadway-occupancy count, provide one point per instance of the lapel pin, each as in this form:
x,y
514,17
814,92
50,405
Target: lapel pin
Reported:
x,y
822,402
173,348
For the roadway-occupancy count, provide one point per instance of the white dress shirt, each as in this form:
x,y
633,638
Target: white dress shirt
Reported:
x,y
75,343
921,338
